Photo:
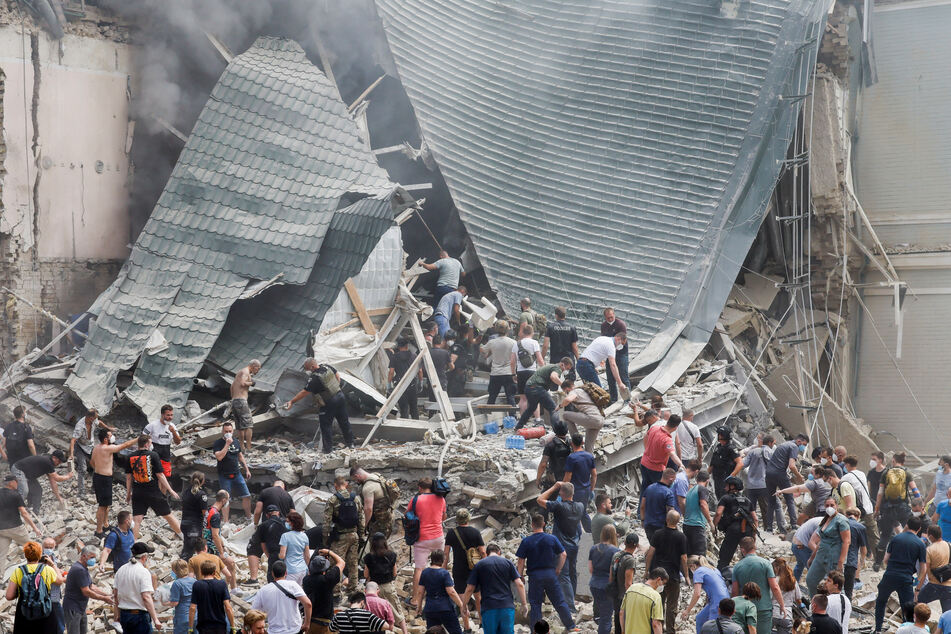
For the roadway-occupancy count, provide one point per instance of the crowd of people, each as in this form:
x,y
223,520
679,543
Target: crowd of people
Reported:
x,y
342,575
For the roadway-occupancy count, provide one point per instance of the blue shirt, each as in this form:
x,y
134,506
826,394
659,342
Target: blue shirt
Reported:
x,y
681,484
181,591
658,497
944,623
567,524
944,519
493,577
942,482
540,552
580,464
600,557
296,542
435,581
447,302
905,552
859,539
121,545
712,583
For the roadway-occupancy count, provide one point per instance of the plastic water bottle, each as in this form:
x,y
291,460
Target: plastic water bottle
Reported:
x,y
514,442
509,421
491,427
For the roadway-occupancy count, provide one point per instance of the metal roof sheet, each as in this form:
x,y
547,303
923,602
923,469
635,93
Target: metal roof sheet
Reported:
x,y
254,195
610,152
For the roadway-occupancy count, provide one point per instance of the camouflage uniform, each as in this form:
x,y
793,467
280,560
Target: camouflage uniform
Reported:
x,y
347,542
381,521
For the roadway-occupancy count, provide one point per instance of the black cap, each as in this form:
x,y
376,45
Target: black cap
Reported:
x,y
9,478
59,455
141,548
402,341
272,508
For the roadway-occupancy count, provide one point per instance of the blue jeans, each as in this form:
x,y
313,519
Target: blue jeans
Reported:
x,y
447,618
540,583
569,573
237,486
442,323
335,409
621,358
583,495
439,292
603,608
140,623
903,585
587,371
536,395
936,592
802,554
498,621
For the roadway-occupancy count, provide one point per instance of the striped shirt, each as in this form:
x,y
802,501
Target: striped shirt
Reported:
x,y
356,621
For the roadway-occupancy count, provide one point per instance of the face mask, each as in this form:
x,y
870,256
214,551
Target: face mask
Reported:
x,y
174,576
619,347
823,461
802,449
872,464
830,511
48,552
91,562
229,436
916,513
112,439
811,477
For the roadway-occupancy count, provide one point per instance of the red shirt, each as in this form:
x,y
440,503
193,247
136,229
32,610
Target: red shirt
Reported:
x,y
430,509
657,448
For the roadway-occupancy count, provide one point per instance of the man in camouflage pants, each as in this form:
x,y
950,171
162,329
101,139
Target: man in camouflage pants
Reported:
x,y
377,510
344,528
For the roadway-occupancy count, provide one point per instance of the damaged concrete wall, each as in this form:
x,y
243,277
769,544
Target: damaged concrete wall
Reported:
x,y
64,225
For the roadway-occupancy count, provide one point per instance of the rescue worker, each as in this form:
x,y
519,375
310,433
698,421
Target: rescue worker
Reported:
x,y
344,528
324,384
735,518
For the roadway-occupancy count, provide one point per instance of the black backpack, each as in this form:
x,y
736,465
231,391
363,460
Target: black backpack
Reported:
x,y
347,516
525,357
614,580
556,463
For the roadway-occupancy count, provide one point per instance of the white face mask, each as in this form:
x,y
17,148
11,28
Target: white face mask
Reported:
x,y
823,460
872,464
830,511
619,346
229,436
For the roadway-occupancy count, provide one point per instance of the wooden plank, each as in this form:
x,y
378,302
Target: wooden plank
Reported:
x,y
395,395
397,318
359,307
445,406
374,312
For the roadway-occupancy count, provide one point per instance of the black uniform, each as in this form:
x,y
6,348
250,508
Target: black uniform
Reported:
x,y
722,463
735,523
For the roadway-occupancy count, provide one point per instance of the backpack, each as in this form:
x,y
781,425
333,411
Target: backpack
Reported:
x,y
614,581
35,600
410,523
141,468
598,395
346,515
525,358
391,491
895,484
540,324
473,556
441,487
556,463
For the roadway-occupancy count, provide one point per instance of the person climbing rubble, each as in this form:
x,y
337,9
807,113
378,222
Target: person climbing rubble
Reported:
x,y
240,410
603,350
28,471
345,528
612,327
163,433
583,407
891,506
450,270
537,388
102,461
81,446
13,514
146,485
380,496
324,386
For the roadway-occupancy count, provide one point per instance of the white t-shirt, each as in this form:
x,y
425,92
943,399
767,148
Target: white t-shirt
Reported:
x,y
840,609
688,433
160,433
532,346
860,484
599,350
283,617
132,580
499,353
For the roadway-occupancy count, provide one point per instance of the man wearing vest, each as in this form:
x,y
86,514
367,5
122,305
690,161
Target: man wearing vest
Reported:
x,y
325,383
379,495
344,526
891,507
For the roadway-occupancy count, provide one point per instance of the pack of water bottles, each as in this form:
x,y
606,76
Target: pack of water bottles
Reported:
x,y
509,422
491,427
514,442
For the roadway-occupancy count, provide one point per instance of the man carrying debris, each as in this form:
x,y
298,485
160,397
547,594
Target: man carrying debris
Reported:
x,y
603,350
228,452
544,557
566,527
18,438
102,463
561,338
611,327
785,456
379,498
28,470
13,514
584,412
448,309
400,363
146,484
344,526
324,385
240,409
163,433
83,435
537,387
892,507
450,270
498,352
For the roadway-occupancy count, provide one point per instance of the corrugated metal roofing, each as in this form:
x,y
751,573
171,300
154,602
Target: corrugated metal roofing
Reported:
x,y
254,195
609,152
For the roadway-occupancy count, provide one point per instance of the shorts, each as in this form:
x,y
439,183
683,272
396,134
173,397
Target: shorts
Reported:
x,y
142,502
102,487
254,549
423,548
234,484
241,413
523,377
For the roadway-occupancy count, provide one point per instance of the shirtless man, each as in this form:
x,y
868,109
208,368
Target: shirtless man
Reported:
x,y
239,402
101,462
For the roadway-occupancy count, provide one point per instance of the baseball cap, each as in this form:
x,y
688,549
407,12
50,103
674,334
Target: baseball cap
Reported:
x,y
319,564
141,548
462,516
9,478
272,508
